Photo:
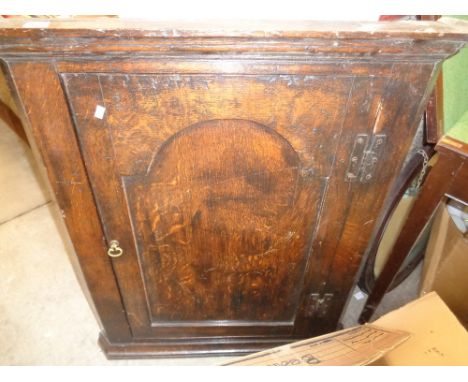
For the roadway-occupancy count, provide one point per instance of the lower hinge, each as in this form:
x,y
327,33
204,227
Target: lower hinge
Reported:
x,y
317,305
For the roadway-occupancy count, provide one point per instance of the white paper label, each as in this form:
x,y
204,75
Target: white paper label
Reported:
x,y
99,113
36,24
359,295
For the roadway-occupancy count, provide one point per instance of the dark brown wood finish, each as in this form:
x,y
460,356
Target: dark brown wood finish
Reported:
x,y
224,164
243,209
434,116
49,122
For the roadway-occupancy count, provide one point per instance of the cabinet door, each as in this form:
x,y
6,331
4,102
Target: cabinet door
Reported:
x,y
213,187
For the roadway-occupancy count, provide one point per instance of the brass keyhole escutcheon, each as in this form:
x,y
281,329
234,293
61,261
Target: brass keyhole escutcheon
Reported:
x,y
114,249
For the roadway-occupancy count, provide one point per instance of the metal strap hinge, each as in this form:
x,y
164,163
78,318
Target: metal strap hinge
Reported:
x,y
364,157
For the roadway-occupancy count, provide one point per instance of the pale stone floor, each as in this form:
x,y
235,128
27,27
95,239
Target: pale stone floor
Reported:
x,y
44,316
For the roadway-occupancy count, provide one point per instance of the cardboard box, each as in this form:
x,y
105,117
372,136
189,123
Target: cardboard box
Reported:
x,y
437,337
446,265
424,332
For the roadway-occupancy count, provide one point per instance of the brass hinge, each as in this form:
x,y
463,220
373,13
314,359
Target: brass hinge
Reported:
x,y
318,306
364,157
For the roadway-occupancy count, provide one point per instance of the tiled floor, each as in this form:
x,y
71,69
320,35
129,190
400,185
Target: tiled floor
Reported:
x,y
44,316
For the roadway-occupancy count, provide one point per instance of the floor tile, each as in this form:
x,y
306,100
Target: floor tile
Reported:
x,y
21,188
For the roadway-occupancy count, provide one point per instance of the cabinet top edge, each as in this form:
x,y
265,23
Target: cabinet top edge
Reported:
x,y
445,29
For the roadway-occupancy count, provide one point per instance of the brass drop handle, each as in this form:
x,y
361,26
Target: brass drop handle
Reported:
x,y
114,249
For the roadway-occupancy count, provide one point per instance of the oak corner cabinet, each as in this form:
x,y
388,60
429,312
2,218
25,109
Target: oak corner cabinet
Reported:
x,y
221,183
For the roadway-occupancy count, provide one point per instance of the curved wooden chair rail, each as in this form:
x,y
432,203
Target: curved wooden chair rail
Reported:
x,y
448,178
12,121
411,170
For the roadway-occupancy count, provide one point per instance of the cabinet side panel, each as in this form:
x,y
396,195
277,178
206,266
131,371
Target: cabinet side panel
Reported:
x,y
396,115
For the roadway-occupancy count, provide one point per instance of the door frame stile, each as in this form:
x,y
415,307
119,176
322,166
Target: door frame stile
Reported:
x,y
47,120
